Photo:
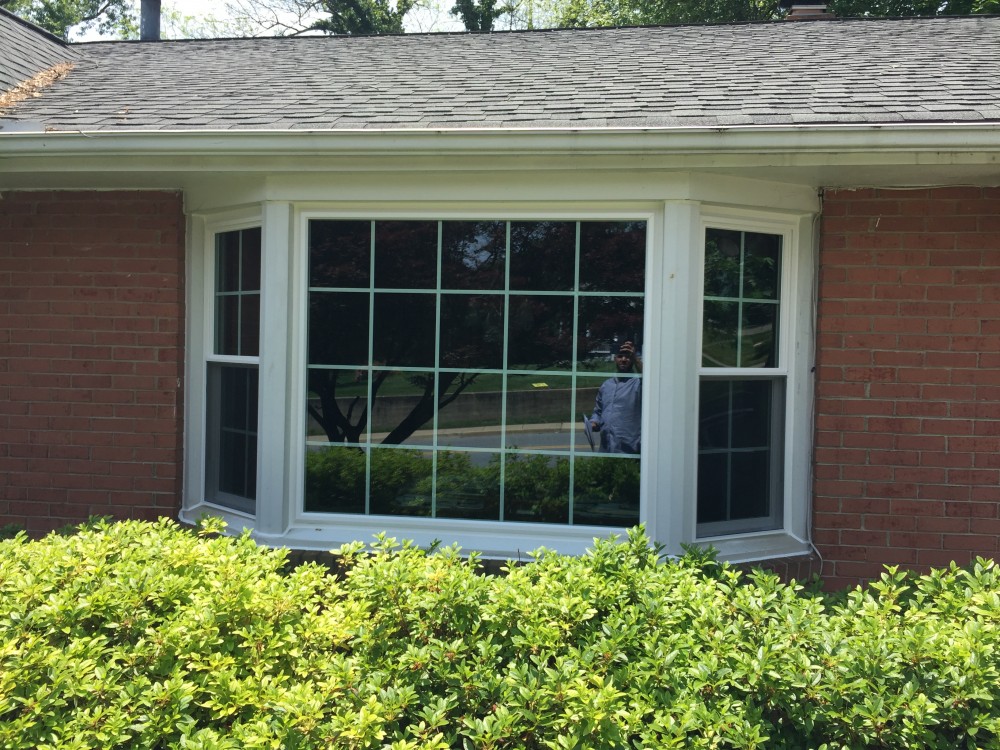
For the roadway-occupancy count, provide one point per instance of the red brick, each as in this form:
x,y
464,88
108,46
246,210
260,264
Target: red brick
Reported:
x,y
89,297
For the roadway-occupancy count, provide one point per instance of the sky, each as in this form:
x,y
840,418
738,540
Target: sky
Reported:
x,y
433,17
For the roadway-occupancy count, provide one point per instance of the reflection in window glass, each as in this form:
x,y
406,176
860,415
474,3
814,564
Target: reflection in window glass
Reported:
x,y
400,483
237,292
472,331
404,329
468,485
542,255
606,491
473,254
612,256
471,407
742,272
406,254
232,427
740,453
340,254
540,335
455,381
539,412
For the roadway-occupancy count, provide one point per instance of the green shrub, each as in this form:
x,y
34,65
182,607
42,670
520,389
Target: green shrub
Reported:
x,y
135,635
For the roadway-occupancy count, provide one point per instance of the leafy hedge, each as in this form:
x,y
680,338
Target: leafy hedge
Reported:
x,y
135,635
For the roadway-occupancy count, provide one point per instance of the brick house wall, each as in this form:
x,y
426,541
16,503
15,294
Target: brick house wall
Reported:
x,y
91,330
907,457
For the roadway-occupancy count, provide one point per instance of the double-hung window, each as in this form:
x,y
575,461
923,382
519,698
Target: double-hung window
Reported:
x,y
232,371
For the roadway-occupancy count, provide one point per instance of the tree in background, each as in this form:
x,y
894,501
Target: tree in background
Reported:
x,y
117,18
577,13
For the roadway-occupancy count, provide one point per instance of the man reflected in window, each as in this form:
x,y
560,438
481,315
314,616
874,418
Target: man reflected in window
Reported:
x,y
618,408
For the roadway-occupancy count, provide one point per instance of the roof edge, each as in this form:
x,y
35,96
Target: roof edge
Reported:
x,y
36,29
951,136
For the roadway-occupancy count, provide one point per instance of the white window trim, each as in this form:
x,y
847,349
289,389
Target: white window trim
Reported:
x,y
674,267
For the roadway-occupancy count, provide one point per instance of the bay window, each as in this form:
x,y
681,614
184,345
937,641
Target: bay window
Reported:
x,y
469,376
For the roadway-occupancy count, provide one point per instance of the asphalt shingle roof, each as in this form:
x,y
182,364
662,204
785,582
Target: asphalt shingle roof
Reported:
x,y
845,71
26,50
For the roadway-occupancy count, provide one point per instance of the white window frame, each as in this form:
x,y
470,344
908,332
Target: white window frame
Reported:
x,y
672,357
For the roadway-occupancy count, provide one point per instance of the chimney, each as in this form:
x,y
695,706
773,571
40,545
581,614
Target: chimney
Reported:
x,y
807,11
149,21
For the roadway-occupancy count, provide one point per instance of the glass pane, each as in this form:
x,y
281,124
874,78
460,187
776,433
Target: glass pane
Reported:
x,y
235,399
605,323
713,487
472,331
468,485
536,488
337,406
761,265
612,408
473,254
227,324
404,329
250,325
227,270
403,406
719,344
612,256
406,254
715,412
759,345
722,263
250,262
542,255
539,412
750,484
751,413
340,253
739,453
338,328
471,409
335,480
401,482
233,394
233,463
540,333
606,491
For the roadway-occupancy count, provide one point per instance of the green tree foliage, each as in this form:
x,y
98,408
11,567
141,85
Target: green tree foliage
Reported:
x,y
363,16
111,17
902,8
656,12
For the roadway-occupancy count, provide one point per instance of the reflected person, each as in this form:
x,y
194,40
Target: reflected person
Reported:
x,y
618,408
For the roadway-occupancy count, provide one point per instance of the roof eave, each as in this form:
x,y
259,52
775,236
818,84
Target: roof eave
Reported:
x,y
947,136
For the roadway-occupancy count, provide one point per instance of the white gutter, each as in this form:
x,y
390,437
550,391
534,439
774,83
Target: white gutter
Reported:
x,y
958,137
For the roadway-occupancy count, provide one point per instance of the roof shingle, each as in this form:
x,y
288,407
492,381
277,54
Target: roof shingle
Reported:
x,y
845,71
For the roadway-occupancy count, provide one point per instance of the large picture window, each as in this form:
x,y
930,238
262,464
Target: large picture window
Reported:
x,y
481,370
742,385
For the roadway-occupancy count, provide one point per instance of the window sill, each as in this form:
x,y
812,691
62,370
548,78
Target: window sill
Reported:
x,y
496,541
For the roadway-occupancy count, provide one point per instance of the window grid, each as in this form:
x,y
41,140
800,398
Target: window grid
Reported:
x,y
506,372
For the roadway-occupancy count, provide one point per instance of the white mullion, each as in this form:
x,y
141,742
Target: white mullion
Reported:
x,y
274,486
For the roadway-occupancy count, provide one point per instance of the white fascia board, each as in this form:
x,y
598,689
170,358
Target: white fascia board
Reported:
x,y
933,142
